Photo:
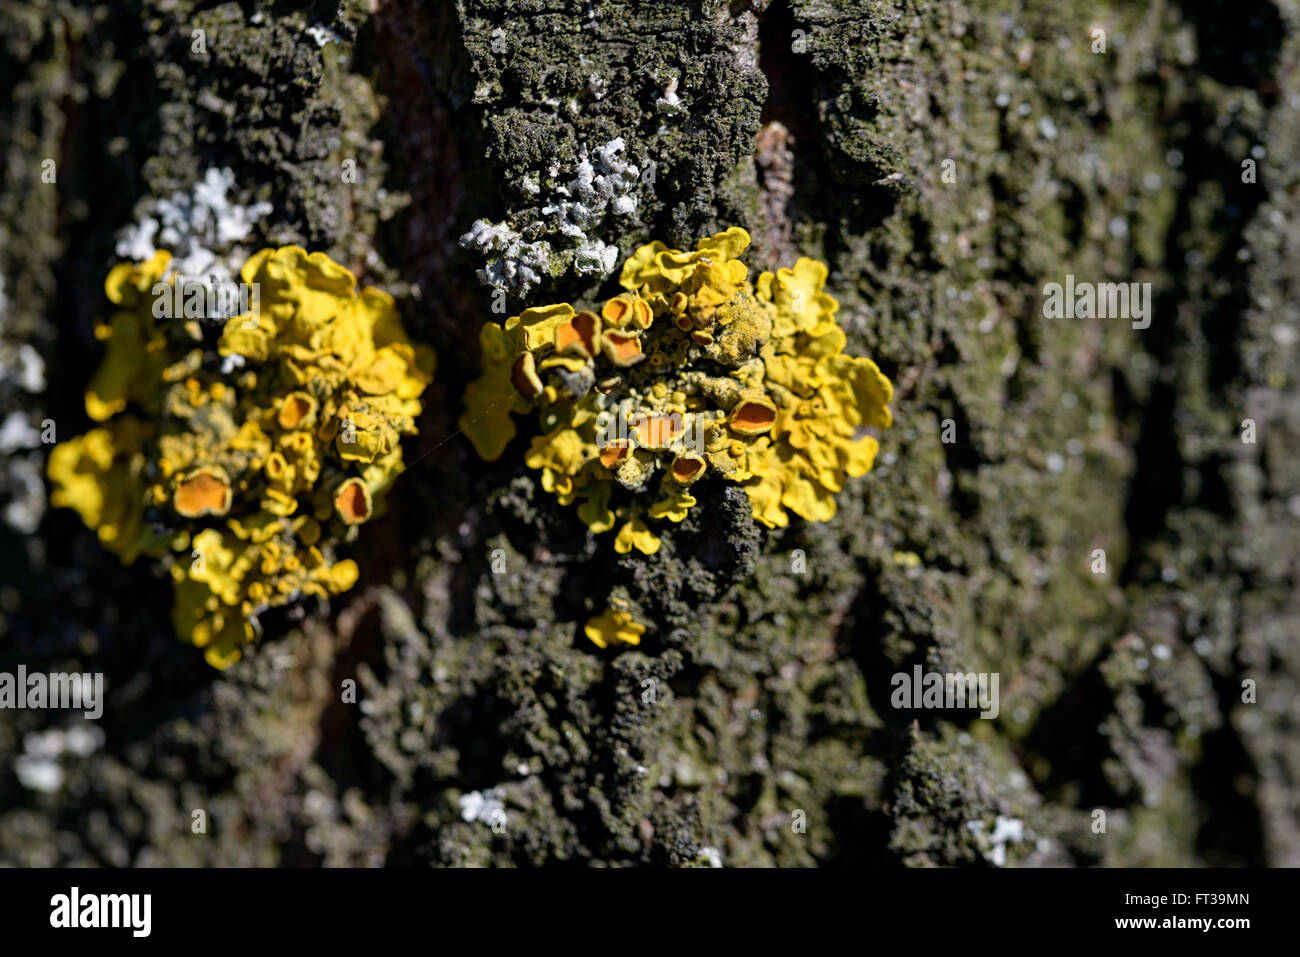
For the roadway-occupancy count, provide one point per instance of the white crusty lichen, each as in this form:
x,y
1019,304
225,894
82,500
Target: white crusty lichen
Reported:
x,y
555,236
22,375
486,806
513,263
323,35
1006,830
21,366
40,766
600,186
201,228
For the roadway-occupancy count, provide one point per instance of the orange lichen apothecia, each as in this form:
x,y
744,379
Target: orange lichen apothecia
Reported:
x,y
246,461
693,371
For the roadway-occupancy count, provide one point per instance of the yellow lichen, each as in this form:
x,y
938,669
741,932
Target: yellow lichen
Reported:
x,y
245,466
613,627
693,372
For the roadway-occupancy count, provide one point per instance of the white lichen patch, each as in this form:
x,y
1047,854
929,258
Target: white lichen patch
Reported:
x,y
1006,830
21,366
486,806
556,236
16,432
22,370
322,35
40,766
26,486
203,229
513,263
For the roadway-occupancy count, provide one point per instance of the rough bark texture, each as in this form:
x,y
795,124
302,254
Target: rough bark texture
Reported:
x,y
824,127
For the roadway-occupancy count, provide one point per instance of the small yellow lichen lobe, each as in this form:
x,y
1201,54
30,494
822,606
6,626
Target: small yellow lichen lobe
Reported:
x,y
613,627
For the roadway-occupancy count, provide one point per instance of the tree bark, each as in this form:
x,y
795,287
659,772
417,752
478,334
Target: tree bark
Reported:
x,y
947,160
